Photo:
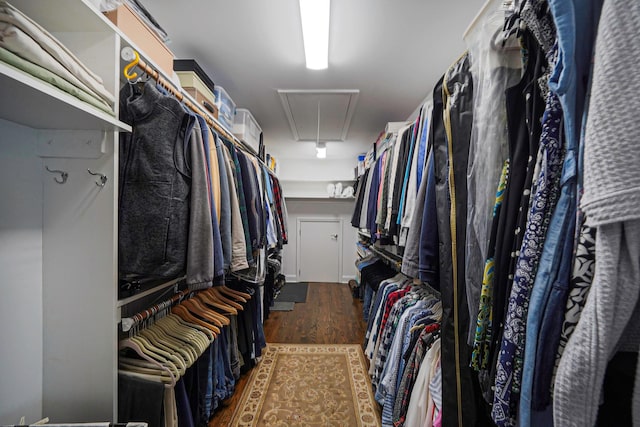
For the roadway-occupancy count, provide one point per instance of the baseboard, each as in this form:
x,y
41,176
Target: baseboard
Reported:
x,y
345,279
291,278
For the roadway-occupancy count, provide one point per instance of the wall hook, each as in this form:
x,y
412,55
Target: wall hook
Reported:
x,y
63,175
103,178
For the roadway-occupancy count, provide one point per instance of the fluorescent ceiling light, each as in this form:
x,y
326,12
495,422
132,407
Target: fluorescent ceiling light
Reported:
x,y
314,15
321,150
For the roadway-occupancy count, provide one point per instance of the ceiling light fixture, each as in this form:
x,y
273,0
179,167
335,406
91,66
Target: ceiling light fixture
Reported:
x,y
321,146
314,15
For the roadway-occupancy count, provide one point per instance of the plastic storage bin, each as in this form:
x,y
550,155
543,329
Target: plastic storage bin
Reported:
x,y
246,128
226,107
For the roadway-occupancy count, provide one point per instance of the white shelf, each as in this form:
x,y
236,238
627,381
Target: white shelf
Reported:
x,y
40,105
56,17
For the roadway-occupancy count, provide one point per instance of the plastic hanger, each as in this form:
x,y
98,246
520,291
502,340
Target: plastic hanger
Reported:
x,y
163,341
131,344
187,341
164,357
180,323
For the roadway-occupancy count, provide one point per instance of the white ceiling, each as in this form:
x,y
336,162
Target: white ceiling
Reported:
x,y
392,51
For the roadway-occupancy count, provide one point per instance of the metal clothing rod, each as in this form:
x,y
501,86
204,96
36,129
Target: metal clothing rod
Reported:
x,y
141,295
129,54
383,254
129,322
398,267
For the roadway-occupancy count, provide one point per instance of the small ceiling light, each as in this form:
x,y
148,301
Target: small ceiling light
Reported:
x,y
321,150
314,15
321,146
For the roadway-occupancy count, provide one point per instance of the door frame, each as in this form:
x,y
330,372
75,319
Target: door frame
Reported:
x,y
299,222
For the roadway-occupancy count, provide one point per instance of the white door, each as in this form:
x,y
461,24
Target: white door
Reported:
x,y
319,251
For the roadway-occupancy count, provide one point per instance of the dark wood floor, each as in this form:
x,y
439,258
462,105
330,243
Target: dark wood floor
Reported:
x,y
330,316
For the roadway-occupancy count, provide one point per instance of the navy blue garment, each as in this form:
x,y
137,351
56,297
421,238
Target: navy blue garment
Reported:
x,y
428,253
225,383
140,400
218,382
196,380
372,207
357,211
211,380
183,408
253,200
245,335
258,330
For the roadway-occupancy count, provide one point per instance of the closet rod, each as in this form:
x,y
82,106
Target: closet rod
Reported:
x,y
143,294
393,258
128,54
387,256
129,322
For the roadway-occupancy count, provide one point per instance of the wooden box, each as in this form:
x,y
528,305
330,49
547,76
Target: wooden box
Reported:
x,y
151,46
203,101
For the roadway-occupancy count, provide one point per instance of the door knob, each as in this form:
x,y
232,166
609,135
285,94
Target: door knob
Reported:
x,y
334,236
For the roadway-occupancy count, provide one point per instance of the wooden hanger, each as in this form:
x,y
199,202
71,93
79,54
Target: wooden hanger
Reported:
x,y
216,291
186,315
239,295
195,306
211,299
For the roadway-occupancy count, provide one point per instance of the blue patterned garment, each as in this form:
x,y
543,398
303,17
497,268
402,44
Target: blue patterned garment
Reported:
x,y
547,183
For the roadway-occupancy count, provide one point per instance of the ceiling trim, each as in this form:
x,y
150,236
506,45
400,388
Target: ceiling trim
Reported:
x,y
353,100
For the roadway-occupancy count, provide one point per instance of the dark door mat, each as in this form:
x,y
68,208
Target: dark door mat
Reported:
x,y
282,306
294,292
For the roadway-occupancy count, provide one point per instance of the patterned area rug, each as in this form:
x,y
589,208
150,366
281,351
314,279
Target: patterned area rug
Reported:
x,y
308,385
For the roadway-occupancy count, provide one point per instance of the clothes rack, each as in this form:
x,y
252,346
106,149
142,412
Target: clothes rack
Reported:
x,y
395,261
128,54
130,322
143,294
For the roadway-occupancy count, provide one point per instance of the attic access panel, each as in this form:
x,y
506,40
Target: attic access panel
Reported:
x,y
336,109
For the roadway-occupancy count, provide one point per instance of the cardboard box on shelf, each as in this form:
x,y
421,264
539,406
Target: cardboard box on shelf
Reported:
x,y
143,37
203,100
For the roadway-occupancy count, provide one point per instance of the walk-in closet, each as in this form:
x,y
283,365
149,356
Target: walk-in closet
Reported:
x,y
319,212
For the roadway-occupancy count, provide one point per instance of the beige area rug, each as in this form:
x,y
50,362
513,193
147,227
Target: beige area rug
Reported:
x,y
308,385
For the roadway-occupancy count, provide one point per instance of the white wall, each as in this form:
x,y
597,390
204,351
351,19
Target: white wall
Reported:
x,y
313,169
297,160
338,209
21,322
